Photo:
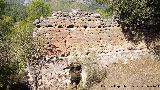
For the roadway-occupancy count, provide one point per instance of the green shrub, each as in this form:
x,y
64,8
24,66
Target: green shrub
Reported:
x,y
92,70
16,11
95,72
37,9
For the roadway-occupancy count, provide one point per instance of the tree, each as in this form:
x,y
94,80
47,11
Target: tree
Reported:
x,y
7,68
109,9
16,39
141,17
2,6
16,11
37,9
136,12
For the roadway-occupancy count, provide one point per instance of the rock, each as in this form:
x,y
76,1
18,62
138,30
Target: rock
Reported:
x,y
37,21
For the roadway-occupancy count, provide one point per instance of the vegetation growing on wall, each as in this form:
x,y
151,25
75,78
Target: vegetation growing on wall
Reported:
x,y
140,19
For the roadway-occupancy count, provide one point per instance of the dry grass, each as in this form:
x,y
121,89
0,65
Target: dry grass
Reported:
x,y
135,73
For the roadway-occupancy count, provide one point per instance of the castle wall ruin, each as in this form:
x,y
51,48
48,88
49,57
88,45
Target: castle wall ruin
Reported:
x,y
75,34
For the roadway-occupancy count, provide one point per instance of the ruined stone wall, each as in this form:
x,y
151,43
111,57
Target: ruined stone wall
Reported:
x,y
73,34
67,30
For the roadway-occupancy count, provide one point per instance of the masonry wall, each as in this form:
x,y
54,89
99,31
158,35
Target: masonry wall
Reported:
x,y
73,34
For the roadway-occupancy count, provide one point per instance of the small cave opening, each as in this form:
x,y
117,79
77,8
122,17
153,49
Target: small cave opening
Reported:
x,y
38,26
49,25
68,54
75,70
85,26
60,26
70,26
99,26
62,55
89,19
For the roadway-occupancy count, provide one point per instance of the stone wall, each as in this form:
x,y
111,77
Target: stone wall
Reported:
x,y
70,36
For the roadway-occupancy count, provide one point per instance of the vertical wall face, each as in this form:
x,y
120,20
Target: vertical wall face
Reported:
x,y
72,36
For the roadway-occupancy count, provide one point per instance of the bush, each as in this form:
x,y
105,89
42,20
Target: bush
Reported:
x,y
37,9
92,71
2,6
95,72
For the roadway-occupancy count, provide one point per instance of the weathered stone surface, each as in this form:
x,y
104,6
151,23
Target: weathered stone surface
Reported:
x,y
74,34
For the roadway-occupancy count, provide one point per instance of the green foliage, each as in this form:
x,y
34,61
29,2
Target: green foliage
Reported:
x,y
136,12
101,1
38,9
5,24
7,75
108,11
62,5
95,72
16,11
140,19
2,6
104,13
16,40
21,43
7,67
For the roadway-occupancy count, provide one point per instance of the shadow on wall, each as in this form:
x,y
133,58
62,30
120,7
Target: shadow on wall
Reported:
x,y
21,86
149,34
